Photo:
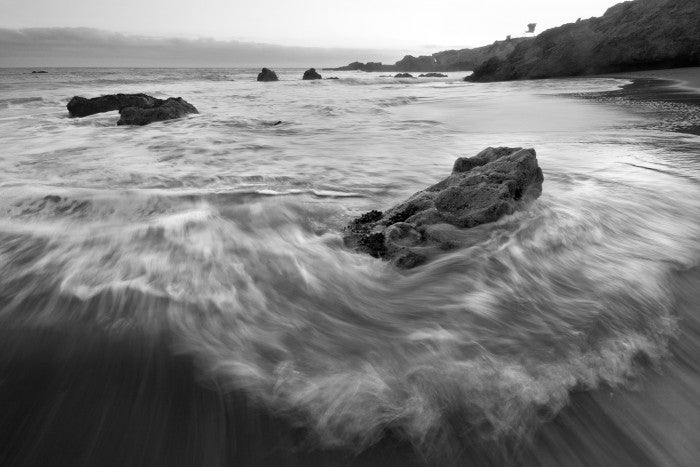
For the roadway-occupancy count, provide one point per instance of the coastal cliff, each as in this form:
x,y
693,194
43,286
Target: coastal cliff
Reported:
x,y
469,59
634,35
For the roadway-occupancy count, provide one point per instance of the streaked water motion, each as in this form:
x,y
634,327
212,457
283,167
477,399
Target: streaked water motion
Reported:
x,y
222,232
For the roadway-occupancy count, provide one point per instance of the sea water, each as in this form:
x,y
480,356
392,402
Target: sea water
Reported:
x,y
564,333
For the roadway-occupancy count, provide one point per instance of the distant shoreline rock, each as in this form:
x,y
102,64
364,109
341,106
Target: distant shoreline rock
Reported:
x,y
311,74
630,36
403,75
134,109
411,63
481,189
359,66
432,75
39,72
267,75
447,60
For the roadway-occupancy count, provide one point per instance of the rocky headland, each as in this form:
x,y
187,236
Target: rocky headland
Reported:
x,y
448,60
481,189
634,35
134,109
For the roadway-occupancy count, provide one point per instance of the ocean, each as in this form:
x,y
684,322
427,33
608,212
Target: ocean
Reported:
x,y
180,294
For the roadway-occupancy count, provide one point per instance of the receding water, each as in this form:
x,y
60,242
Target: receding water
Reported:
x,y
564,334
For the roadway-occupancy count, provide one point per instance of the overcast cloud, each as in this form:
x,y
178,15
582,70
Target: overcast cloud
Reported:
x,y
66,47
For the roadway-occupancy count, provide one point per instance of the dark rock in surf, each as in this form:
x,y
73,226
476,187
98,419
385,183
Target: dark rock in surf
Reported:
x,y
481,189
135,109
82,107
403,75
39,72
171,108
333,77
311,74
267,75
432,75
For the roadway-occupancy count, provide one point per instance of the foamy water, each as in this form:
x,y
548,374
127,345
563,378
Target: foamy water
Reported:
x,y
223,230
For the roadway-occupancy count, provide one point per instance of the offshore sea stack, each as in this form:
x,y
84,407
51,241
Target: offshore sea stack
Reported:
x,y
636,35
267,75
311,74
481,189
135,109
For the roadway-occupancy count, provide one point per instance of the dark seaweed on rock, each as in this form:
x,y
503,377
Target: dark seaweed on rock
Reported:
x,y
481,189
366,218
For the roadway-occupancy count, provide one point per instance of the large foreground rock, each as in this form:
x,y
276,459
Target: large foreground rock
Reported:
x,y
173,107
481,189
636,35
135,109
267,75
311,74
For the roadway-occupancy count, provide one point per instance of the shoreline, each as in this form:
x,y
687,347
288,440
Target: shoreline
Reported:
x,y
676,86
686,79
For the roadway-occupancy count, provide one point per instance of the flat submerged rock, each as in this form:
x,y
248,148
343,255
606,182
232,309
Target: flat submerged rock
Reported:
x,y
481,189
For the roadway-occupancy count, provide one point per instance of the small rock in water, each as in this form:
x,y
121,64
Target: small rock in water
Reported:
x,y
267,75
311,74
481,189
403,75
40,71
333,77
432,75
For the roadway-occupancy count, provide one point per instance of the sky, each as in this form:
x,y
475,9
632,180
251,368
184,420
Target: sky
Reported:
x,y
387,27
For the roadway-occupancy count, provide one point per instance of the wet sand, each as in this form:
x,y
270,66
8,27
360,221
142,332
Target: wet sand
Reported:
x,y
76,396
684,78
679,86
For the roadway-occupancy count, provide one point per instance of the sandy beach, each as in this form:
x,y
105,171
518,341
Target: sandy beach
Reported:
x,y
686,78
